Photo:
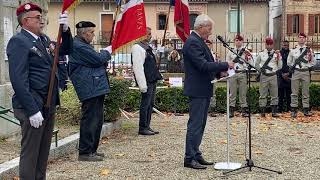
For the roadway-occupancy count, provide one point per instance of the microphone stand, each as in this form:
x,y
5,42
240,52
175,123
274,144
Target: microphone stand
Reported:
x,y
249,162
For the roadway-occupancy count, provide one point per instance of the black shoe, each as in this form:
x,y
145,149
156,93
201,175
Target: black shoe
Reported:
x,y
100,154
155,132
204,162
89,157
194,165
146,132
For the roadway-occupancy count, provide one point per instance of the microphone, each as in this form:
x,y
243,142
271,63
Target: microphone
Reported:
x,y
220,38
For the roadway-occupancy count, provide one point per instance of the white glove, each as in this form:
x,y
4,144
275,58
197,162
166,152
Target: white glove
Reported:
x,y
36,120
109,49
63,19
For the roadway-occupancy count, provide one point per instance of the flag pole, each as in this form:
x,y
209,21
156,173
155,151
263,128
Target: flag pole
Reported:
x,y
166,26
111,35
164,35
53,71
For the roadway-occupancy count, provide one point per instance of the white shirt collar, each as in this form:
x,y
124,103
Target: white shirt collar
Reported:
x,y
197,34
34,35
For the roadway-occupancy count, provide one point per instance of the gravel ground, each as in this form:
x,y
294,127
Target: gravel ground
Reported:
x,y
280,144
10,147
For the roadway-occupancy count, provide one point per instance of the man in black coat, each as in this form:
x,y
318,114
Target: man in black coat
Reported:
x,y
200,70
30,65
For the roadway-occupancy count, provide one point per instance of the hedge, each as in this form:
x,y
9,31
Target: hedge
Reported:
x,y
167,100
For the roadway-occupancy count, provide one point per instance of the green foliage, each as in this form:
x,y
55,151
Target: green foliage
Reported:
x,y
69,111
167,100
116,99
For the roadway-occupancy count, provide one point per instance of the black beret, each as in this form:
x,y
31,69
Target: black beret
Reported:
x,y
85,24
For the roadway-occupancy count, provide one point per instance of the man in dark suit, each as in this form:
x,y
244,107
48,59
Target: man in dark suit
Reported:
x,y
30,64
200,70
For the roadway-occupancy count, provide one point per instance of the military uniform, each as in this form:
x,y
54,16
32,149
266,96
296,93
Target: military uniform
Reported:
x,y
30,66
268,78
301,75
238,81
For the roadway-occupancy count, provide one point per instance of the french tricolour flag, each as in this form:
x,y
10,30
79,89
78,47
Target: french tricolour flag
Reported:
x,y
181,18
130,25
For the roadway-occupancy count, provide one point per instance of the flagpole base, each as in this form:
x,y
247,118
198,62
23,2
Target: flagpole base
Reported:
x,y
227,166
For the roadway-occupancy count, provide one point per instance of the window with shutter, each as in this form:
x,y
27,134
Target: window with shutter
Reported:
x,y
317,24
301,23
289,24
295,23
311,24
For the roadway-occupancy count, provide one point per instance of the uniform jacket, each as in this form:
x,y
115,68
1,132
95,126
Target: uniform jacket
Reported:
x,y
295,53
230,57
30,64
200,68
87,70
275,63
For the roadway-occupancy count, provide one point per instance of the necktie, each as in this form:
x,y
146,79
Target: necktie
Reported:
x,y
301,50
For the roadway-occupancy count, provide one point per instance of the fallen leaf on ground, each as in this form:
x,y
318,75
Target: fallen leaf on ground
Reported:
x,y
223,141
258,152
119,154
104,172
295,150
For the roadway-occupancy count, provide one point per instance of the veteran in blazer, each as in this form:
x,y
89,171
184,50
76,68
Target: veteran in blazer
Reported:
x,y
30,64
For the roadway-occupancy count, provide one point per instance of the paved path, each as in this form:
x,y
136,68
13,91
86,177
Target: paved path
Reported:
x,y
291,147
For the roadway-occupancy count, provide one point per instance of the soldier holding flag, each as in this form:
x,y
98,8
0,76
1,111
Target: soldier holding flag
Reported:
x,y
30,65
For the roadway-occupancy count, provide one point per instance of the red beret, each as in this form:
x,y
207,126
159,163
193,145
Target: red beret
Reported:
x,y
269,41
302,34
239,37
28,7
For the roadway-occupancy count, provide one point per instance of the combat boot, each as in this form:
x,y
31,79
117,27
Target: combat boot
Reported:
x,y
306,112
245,112
274,111
293,112
263,111
231,111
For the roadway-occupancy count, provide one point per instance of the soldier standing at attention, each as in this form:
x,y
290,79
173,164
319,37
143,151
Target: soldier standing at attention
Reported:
x,y
238,81
268,62
300,60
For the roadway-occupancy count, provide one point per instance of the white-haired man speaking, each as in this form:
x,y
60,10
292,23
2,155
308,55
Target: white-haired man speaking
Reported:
x,y
200,69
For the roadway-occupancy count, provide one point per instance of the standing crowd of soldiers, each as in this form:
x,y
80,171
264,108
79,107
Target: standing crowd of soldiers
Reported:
x,y
280,73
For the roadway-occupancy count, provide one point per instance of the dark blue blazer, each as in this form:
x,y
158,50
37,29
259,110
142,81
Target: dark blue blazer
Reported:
x,y
87,70
200,68
30,64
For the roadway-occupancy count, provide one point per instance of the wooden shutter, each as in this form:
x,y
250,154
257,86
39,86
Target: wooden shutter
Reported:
x,y
301,23
311,24
289,24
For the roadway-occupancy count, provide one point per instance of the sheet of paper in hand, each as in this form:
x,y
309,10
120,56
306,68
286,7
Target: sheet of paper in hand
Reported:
x,y
230,72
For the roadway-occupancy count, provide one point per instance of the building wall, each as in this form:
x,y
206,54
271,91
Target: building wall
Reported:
x,y
83,12
251,26
304,7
